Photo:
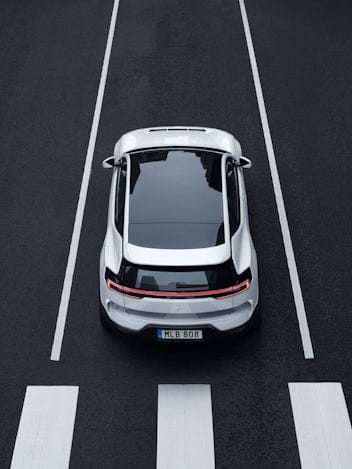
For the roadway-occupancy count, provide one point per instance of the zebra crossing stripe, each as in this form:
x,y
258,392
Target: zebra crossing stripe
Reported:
x,y
45,432
185,437
323,427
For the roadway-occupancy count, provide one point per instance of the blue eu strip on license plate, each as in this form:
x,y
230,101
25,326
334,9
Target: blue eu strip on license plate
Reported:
x,y
179,334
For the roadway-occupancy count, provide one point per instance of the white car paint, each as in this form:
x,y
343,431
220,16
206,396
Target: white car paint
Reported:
x,y
222,314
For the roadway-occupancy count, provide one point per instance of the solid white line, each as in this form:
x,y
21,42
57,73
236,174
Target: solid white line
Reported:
x,y
323,427
290,256
185,427
45,432
71,262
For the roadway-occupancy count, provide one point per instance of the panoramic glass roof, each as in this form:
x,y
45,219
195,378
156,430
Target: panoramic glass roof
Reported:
x,y
176,199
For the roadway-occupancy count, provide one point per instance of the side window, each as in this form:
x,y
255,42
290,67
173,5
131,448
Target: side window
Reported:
x,y
232,197
120,200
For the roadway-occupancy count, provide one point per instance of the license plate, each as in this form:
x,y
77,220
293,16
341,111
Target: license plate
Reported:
x,y
180,334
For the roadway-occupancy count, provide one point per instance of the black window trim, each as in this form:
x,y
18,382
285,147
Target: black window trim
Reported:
x,y
235,170
120,212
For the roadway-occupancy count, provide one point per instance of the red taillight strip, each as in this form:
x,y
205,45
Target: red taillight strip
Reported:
x,y
221,293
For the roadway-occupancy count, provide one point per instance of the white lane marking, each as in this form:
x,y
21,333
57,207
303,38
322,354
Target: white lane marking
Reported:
x,y
71,262
323,427
290,256
45,432
185,427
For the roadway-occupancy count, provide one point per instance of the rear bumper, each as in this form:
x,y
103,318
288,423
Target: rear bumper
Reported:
x,y
210,331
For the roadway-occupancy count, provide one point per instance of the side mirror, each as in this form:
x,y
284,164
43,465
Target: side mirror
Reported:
x,y
245,162
108,163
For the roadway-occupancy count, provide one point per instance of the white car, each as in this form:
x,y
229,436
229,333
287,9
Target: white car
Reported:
x,y
178,261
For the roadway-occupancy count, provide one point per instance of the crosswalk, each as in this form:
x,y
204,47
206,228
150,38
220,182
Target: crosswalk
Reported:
x,y
185,437
185,427
322,425
45,431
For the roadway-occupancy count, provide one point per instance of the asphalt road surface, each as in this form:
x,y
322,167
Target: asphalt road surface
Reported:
x,y
183,62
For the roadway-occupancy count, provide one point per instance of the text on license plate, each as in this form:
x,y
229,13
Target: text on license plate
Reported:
x,y
181,334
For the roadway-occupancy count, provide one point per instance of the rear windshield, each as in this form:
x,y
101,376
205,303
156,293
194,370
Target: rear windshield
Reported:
x,y
179,278
175,199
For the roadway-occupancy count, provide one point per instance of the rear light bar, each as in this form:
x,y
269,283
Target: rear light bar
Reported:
x,y
218,294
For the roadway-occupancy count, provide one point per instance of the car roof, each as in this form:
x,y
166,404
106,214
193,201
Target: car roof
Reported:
x,y
176,208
